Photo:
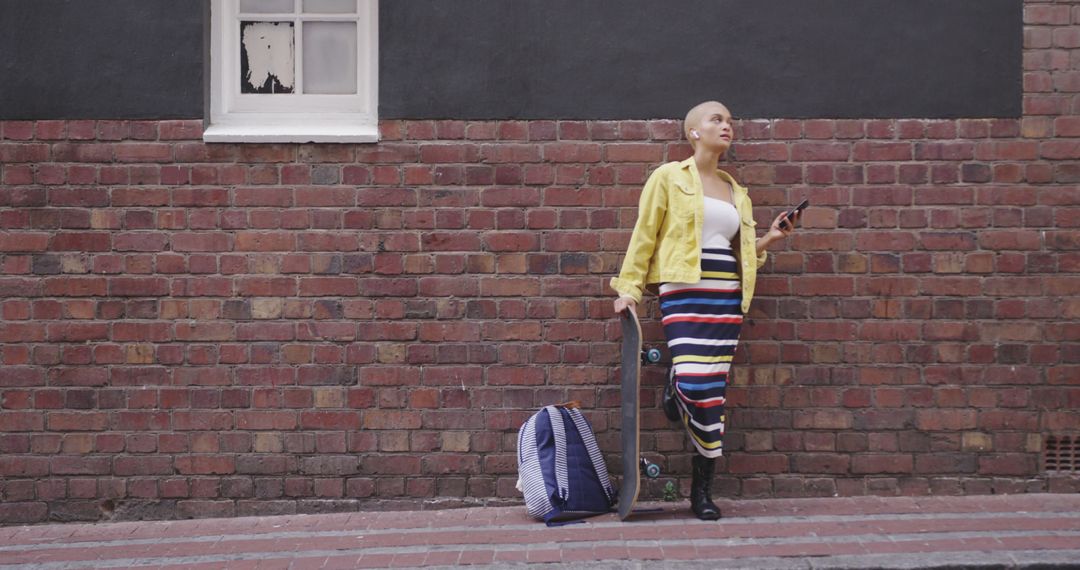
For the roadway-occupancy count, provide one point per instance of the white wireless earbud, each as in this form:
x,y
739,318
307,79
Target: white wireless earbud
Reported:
x,y
696,136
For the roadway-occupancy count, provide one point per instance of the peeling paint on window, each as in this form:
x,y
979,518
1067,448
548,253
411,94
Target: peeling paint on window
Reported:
x,y
267,57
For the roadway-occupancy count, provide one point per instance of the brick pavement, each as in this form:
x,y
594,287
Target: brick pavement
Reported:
x,y
1031,530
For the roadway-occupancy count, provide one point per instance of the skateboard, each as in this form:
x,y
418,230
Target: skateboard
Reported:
x,y
633,464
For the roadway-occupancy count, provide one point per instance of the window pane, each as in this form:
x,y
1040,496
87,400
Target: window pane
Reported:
x,y
330,6
266,6
267,57
330,57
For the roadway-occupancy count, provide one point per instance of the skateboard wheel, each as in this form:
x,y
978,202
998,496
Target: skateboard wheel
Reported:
x,y
651,356
651,470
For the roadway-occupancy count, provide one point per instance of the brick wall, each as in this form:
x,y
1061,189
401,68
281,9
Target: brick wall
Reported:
x,y
194,330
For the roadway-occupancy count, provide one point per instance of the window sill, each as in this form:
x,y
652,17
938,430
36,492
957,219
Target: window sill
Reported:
x,y
292,132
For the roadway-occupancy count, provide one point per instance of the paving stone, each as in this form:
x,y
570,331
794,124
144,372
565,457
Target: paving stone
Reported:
x,y
1014,531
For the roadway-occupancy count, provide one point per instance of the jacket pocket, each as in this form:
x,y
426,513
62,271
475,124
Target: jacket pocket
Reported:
x,y
685,189
747,231
683,203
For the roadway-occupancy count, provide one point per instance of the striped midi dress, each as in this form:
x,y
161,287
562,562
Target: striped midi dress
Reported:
x,y
702,322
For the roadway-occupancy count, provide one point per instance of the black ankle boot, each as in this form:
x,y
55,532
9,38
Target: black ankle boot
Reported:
x,y
671,407
700,484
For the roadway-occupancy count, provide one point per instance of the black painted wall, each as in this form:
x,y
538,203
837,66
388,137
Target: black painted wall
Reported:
x,y
583,59
101,59
655,59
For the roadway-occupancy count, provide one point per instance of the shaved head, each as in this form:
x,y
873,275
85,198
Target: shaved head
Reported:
x,y
699,112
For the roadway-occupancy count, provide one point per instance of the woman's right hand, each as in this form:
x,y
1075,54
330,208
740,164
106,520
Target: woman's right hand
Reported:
x,y
623,303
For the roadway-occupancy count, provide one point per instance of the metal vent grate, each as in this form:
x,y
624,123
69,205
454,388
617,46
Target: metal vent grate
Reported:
x,y
1062,453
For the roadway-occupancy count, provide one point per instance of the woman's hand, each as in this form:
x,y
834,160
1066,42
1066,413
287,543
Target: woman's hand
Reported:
x,y
778,231
623,303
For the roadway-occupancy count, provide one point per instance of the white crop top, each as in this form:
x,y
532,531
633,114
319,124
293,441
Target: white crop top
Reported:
x,y
720,225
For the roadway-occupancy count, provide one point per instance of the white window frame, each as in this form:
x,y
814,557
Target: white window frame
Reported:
x,y
292,117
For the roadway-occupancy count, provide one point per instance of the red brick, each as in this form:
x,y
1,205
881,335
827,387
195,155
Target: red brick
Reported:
x,y
1005,240
1067,126
185,420
1045,104
881,463
205,465
18,130
758,463
772,152
935,420
955,463
1015,150
1067,37
572,152
22,421
821,151
513,153
1046,14
1019,465
634,152
143,152
267,153
181,130
143,465
265,241
827,285
1060,149
513,130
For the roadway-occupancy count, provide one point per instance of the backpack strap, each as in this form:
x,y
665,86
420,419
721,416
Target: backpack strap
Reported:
x,y
530,475
562,474
594,452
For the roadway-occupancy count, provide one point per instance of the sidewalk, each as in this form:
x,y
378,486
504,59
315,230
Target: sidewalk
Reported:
x,y
1034,530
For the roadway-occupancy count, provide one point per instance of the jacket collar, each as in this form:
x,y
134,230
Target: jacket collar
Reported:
x,y
689,165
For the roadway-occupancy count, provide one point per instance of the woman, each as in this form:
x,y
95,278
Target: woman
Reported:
x,y
695,238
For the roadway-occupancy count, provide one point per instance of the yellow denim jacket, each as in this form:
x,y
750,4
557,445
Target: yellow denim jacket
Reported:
x,y
666,243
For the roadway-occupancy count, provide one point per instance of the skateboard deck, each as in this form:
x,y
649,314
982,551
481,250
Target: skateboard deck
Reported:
x,y
631,412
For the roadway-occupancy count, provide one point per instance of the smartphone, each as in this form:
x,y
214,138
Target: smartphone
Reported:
x,y
802,206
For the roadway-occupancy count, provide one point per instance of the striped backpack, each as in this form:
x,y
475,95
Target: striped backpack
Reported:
x,y
560,469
